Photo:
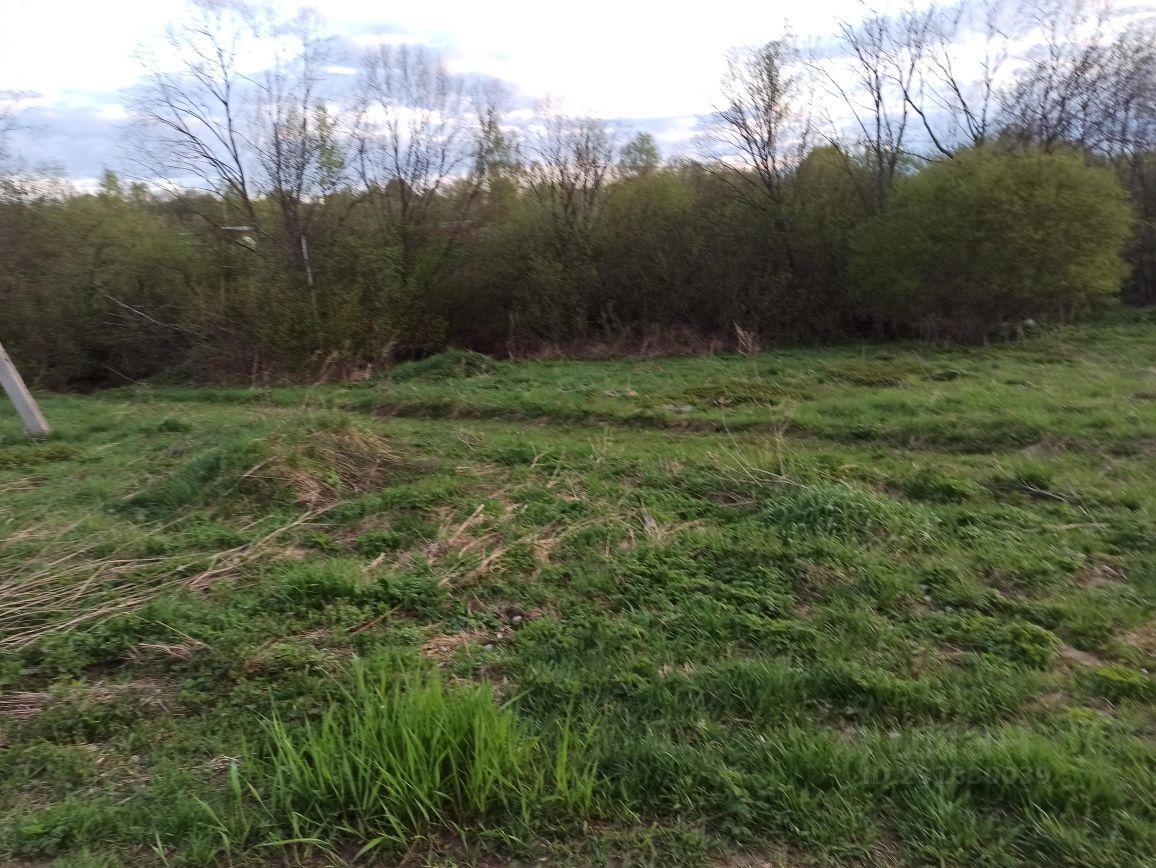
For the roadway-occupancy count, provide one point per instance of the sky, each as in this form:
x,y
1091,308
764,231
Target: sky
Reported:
x,y
655,65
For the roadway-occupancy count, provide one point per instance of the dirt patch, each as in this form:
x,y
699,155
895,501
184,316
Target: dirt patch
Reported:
x,y
1099,575
443,647
1143,638
814,580
1077,657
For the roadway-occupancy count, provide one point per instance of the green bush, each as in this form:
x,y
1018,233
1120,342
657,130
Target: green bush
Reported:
x,y
976,245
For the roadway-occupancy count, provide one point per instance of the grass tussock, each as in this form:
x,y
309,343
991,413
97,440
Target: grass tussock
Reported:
x,y
841,510
875,373
399,755
309,465
323,465
452,364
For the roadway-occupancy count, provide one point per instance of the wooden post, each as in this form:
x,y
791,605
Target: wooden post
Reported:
x,y
13,384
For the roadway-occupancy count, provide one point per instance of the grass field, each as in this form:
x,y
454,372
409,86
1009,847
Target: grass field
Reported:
x,y
879,605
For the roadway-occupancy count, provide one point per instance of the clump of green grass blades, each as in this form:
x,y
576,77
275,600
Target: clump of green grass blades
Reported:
x,y
843,511
400,755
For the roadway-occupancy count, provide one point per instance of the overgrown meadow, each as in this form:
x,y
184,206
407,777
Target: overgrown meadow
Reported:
x,y
878,604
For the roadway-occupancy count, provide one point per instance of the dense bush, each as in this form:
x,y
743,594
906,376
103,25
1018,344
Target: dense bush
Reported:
x,y
393,236
979,243
123,284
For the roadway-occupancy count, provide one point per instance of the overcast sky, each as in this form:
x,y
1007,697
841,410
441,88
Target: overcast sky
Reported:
x,y
653,63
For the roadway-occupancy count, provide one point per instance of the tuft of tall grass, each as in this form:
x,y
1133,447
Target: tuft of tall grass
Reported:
x,y
397,755
842,511
452,364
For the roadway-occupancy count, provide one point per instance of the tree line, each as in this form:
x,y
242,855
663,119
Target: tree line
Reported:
x,y
944,173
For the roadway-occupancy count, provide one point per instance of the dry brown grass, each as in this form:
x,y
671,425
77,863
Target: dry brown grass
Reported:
x,y
25,705
1071,656
1099,575
320,466
45,597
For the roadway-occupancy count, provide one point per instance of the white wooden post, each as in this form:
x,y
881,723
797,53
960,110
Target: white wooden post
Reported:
x,y
26,407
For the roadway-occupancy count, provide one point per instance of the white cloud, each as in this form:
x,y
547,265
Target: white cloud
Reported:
x,y
679,131
644,60
60,47
114,112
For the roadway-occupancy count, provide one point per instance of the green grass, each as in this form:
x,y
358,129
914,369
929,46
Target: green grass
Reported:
x,y
395,756
883,604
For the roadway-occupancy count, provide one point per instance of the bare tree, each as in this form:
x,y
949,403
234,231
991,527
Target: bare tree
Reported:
x,y
248,138
8,112
571,160
7,124
297,146
11,120
193,122
1128,104
877,80
1087,83
1058,96
758,133
953,88
759,136
423,137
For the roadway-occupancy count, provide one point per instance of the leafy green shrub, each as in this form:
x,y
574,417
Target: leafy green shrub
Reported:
x,y
977,244
444,366
824,205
